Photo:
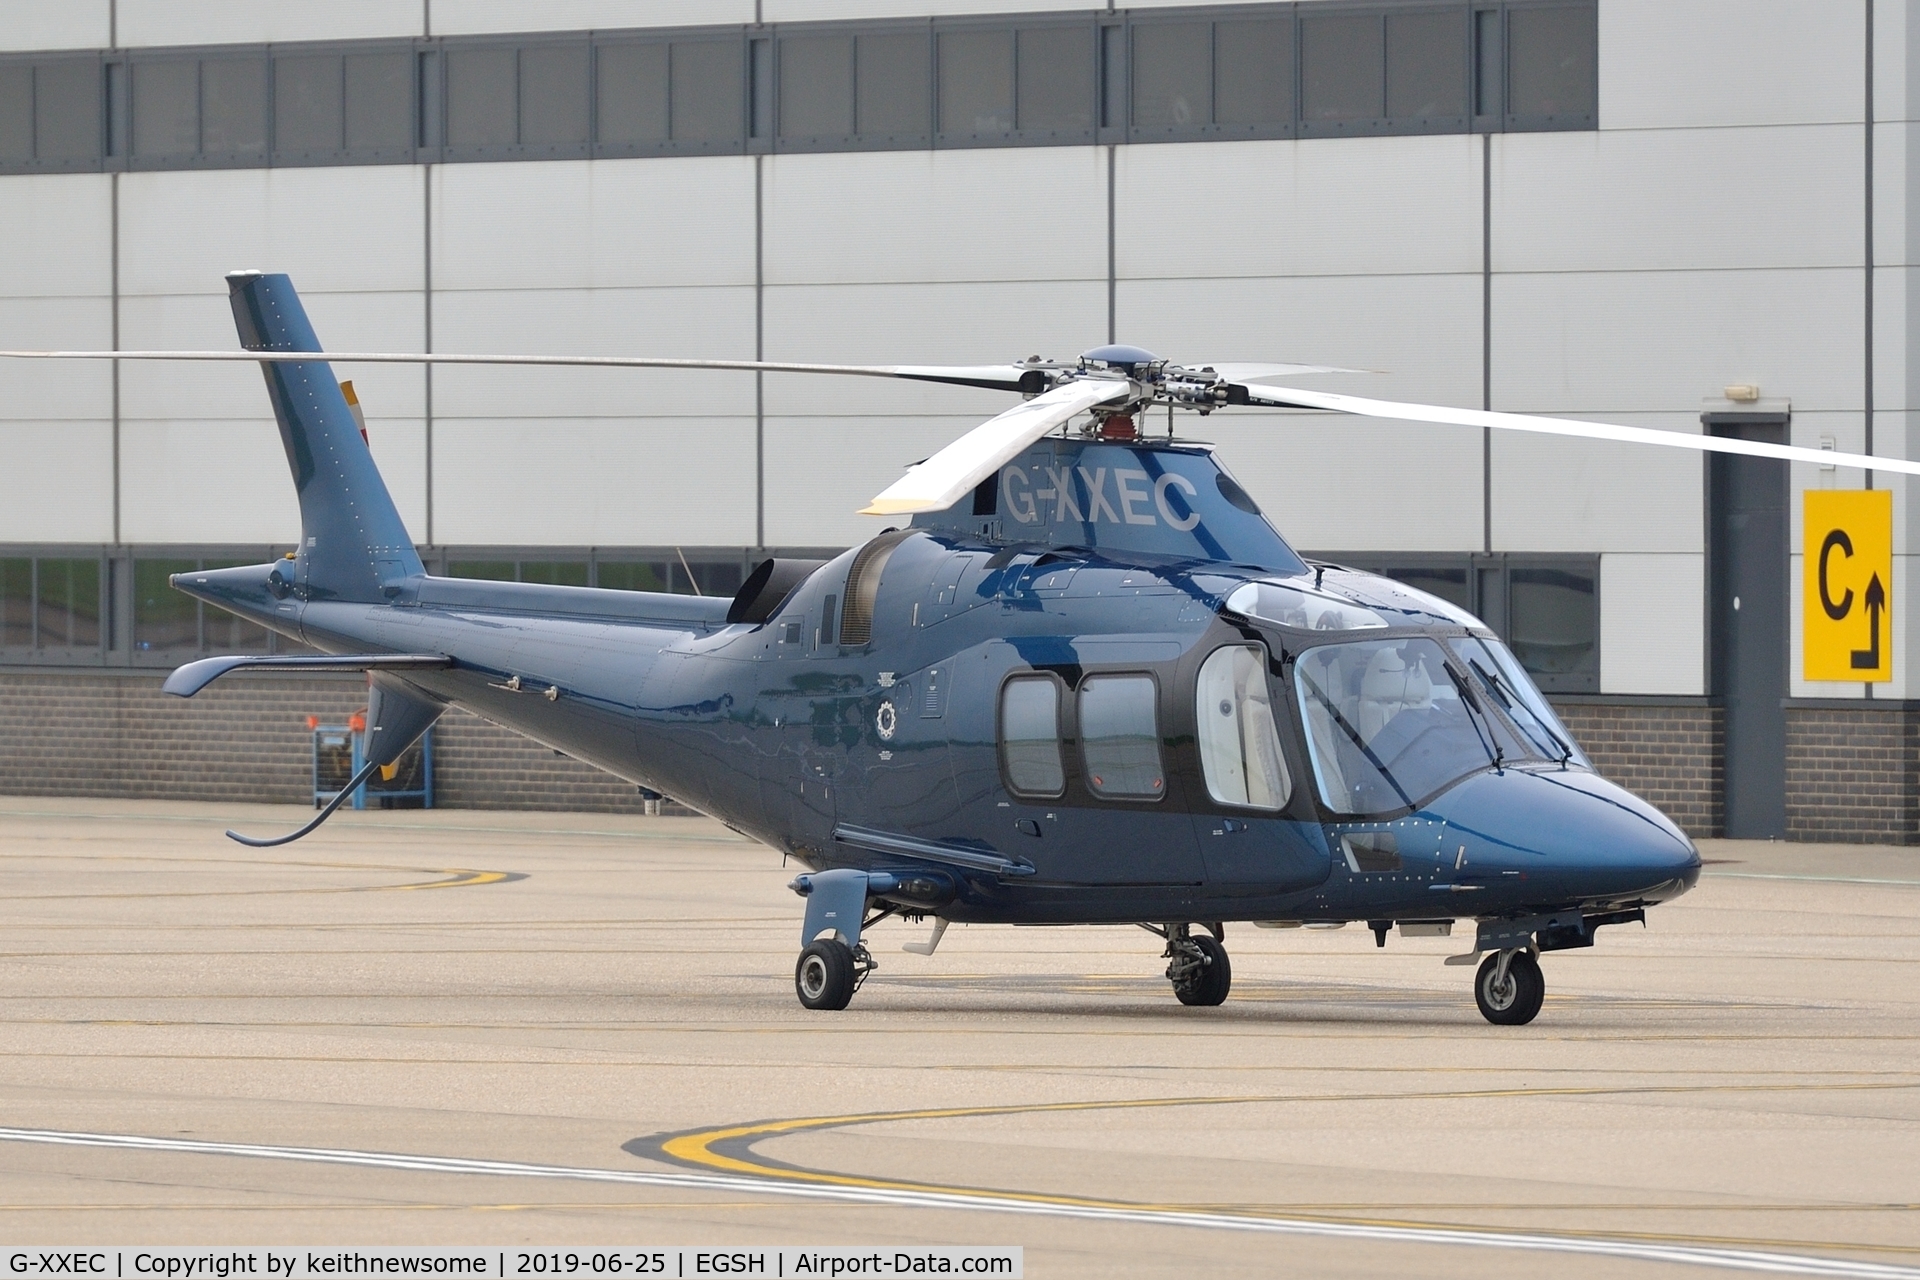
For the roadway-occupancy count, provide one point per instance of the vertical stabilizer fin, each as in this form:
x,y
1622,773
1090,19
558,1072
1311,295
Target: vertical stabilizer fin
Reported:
x,y
352,540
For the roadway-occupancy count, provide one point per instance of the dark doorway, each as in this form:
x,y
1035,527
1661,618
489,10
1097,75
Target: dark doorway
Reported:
x,y
1747,523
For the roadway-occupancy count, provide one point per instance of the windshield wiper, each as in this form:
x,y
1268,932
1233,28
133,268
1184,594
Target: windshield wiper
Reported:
x,y
1476,715
1503,691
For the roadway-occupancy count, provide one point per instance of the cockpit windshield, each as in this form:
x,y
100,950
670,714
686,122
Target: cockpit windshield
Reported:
x,y
1499,676
1389,724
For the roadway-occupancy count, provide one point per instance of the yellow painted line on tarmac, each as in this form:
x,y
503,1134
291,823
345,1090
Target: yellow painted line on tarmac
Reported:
x,y
452,878
456,879
697,1149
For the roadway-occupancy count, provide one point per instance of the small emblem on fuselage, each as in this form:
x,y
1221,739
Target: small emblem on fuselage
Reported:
x,y
886,720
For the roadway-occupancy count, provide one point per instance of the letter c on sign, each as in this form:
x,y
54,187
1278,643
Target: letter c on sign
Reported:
x,y
1838,538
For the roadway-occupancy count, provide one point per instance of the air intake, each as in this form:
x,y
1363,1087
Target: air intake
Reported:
x,y
863,584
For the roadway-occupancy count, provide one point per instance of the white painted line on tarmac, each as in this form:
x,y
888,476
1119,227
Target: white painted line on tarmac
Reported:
x,y
1645,1251
1764,875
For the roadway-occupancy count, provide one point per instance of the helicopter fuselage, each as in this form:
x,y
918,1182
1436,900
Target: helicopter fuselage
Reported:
x,y
862,723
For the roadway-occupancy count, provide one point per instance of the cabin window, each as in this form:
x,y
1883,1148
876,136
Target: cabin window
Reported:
x,y
1239,741
1030,735
1120,737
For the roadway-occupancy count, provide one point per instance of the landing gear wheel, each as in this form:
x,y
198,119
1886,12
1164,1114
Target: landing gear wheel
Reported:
x,y
824,978
1205,980
1513,998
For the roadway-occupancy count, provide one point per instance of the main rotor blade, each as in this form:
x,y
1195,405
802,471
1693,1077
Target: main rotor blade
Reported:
x,y
943,479
1257,372
1294,398
998,377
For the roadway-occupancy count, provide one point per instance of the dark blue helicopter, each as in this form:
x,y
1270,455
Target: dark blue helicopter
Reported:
x,y
1088,683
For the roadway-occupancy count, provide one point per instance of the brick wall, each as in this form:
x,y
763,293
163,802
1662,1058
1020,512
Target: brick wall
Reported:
x,y
88,734
1669,755
1853,774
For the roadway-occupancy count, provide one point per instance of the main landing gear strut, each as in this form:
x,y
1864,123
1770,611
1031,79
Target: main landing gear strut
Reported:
x,y
1197,966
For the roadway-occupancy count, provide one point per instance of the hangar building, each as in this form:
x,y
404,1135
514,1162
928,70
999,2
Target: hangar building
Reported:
x,y
1695,215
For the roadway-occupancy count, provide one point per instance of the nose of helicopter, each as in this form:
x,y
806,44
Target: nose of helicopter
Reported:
x,y
1566,837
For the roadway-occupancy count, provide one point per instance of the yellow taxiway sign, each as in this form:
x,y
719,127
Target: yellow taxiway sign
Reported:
x,y
1846,614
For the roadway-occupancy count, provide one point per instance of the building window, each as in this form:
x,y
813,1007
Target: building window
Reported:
x,y
1545,606
1160,74
1552,66
1553,624
16,603
51,608
164,620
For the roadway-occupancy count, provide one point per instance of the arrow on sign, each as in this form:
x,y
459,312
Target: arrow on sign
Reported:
x,y
1868,659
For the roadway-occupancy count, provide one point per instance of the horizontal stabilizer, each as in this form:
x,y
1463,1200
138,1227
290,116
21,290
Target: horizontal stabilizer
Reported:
x,y
195,676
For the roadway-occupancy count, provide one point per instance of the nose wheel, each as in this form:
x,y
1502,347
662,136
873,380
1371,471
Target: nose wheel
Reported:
x,y
1509,988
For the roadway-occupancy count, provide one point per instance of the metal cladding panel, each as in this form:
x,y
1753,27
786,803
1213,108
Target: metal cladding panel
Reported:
x,y
1847,432
71,24
1728,62
165,22
822,470
594,224
911,323
696,323
57,481
1421,332
1895,291
192,480
594,482
56,235
1653,624
1323,206
49,389
400,451
1897,434
897,216
168,389
474,17
330,229
1351,483
1600,344
1555,494
1616,201
1896,234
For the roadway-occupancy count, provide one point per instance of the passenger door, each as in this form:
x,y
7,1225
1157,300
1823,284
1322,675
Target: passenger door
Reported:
x,y
1239,721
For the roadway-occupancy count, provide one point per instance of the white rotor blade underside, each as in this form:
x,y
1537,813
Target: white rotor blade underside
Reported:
x,y
1293,398
1004,377
950,474
1256,372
